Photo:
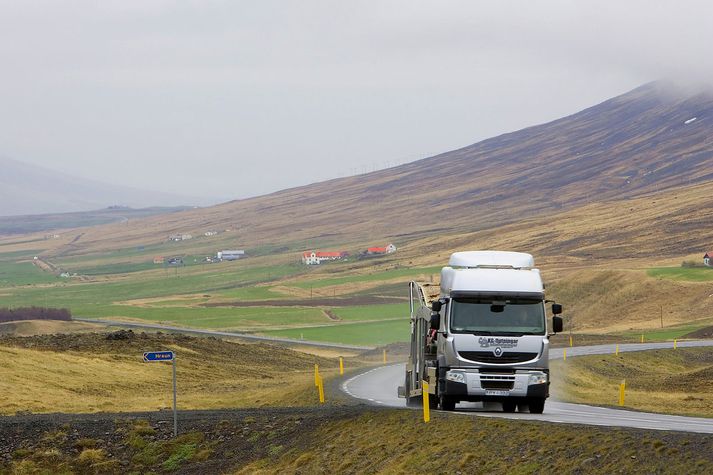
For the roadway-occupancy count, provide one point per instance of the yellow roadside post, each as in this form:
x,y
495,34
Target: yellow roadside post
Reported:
x,y
570,340
341,366
616,352
642,338
564,354
674,343
426,408
316,374
384,356
622,389
320,385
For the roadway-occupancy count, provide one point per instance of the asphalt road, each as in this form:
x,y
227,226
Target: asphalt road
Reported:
x,y
379,385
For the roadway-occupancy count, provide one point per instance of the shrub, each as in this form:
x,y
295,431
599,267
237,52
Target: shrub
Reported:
x,y
180,455
34,313
91,456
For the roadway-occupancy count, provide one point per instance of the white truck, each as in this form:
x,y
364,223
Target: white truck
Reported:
x,y
483,335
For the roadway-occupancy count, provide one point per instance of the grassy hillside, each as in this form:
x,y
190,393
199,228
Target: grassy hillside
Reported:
x,y
665,381
91,373
628,147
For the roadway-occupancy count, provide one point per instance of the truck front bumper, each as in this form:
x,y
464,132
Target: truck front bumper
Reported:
x,y
476,386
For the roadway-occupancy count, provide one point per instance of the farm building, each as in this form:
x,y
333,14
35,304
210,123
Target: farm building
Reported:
x,y
317,257
179,237
230,255
158,260
388,249
708,259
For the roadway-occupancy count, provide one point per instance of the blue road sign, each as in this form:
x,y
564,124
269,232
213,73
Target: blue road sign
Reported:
x,y
158,356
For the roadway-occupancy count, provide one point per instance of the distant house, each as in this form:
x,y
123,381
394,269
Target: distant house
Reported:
x,y
210,233
158,260
388,249
230,255
179,237
311,258
708,259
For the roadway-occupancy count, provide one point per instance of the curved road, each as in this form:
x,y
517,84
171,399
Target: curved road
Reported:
x,y
379,386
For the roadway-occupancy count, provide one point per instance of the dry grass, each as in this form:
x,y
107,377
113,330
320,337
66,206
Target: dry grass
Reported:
x,y
615,301
666,381
89,374
398,442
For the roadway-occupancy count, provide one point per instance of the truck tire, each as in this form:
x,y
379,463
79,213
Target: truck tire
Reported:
x,y
509,406
447,403
537,405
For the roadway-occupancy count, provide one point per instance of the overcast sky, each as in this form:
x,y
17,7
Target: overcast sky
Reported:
x,y
238,98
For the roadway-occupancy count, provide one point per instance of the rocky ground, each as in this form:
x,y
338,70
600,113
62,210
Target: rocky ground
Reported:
x,y
207,442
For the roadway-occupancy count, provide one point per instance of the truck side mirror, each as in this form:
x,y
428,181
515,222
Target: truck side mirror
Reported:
x,y
435,321
557,324
556,308
436,306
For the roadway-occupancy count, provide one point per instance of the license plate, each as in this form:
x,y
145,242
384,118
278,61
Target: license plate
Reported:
x,y
496,393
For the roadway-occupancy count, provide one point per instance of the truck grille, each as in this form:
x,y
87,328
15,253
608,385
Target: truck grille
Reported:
x,y
489,357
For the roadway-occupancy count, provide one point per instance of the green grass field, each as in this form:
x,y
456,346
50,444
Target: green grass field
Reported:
x,y
23,273
690,274
665,334
373,312
373,277
370,333
126,288
251,293
248,318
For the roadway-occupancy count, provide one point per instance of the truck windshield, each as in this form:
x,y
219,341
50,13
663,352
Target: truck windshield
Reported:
x,y
488,317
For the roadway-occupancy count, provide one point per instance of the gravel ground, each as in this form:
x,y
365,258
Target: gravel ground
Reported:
x,y
229,438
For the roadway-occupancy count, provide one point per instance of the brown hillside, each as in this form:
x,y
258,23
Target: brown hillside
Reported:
x,y
624,148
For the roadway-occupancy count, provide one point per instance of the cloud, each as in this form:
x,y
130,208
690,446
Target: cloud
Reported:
x,y
243,97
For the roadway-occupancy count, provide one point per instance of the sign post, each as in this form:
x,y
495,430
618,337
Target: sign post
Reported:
x,y
152,356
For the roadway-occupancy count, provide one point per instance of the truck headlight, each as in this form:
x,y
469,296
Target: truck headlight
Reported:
x,y
455,376
538,378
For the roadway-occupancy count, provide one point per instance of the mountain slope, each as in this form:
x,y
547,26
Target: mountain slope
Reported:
x,y
632,145
29,189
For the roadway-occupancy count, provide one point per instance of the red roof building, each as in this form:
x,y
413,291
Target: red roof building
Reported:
x,y
381,250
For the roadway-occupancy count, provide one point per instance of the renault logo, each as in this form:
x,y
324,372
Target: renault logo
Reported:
x,y
498,351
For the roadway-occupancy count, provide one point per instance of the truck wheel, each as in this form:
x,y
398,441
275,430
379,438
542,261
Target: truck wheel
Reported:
x,y
447,403
537,405
509,406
